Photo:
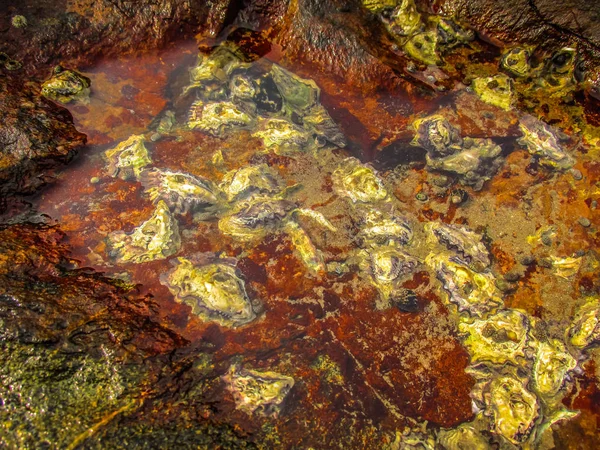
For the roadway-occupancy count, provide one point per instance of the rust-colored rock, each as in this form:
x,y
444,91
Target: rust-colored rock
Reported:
x,y
36,137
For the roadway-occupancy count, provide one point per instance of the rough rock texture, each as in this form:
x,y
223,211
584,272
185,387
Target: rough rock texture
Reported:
x,y
83,30
36,136
79,352
537,21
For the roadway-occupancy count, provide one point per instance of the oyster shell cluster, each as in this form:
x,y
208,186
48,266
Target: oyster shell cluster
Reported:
x,y
521,374
555,75
383,235
276,106
249,203
424,38
472,160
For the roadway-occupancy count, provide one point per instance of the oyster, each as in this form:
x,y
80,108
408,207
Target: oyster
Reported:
x,y
255,218
218,118
513,408
127,159
306,250
358,182
450,33
405,19
157,238
212,71
282,135
250,180
474,165
516,61
167,123
466,243
559,72
183,192
552,364
300,95
376,6
500,338
423,48
585,329
257,391
66,85
322,125
463,437
387,266
436,135
242,87
496,90
213,290
379,228
541,142
472,292
314,216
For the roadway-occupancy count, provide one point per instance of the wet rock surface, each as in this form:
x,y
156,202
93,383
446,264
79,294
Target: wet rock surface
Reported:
x,y
36,137
81,30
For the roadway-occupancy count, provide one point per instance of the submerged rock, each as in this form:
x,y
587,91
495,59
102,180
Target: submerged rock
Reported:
x,y
36,137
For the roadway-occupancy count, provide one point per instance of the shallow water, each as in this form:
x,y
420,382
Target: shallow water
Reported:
x,y
355,355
